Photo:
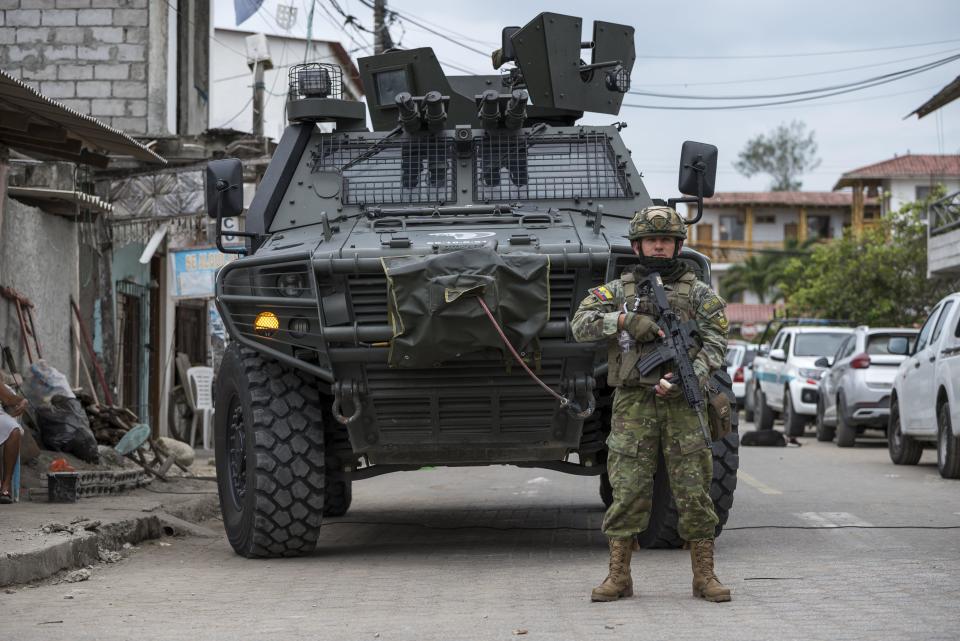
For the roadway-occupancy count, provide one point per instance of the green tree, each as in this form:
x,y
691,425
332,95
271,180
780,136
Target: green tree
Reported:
x,y
762,274
786,153
879,278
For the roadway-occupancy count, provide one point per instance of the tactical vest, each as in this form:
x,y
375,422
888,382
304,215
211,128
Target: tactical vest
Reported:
x,y
621,366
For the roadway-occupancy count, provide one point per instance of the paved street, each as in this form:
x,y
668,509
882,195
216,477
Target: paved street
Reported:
x,y
485,553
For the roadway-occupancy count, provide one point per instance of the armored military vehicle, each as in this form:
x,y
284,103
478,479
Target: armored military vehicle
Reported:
x,y
404,293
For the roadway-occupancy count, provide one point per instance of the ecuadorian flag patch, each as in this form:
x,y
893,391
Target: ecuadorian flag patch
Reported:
x,y
602,293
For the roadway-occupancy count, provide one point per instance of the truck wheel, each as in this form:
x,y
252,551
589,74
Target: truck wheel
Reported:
x,y
825,432
764,412
662,532
793,423
846,433
268,432
338,494
904,450
948,445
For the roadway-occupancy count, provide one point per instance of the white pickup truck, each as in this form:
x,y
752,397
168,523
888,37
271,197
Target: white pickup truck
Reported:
x,y
925,405
785,382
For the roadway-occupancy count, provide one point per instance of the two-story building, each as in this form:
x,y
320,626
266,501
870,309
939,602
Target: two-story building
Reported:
x,y
903,179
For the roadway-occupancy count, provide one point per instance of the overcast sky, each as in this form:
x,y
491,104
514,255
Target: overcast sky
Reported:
x,y
852,130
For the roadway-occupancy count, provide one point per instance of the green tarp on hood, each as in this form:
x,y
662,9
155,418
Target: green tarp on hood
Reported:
x,y
434,312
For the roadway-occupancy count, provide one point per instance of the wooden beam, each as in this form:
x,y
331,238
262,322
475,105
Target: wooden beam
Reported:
x,y
26,141
14,120
748,225
856,220
802,232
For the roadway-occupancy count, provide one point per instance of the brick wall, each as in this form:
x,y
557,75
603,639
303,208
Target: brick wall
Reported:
x,y
91,55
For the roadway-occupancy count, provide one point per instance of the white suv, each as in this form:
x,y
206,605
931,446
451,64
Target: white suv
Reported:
x,y
786,381
926,392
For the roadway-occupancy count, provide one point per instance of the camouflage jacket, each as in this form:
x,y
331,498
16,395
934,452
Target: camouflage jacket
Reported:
x,y
596,319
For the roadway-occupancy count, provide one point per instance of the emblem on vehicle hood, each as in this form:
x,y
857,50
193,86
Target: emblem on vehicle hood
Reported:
x,y
464,235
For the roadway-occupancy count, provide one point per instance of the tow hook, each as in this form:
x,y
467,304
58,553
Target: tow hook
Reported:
x,y
351,389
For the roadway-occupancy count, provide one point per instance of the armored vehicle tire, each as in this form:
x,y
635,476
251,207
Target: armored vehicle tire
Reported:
x,y
846,433
662,531
793,423
268,434
904,450
825,432
948,445
338,493
764,412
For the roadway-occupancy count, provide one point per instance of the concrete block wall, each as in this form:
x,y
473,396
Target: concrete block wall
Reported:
x,y
90,55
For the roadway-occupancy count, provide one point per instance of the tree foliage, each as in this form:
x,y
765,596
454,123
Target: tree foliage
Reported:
x,y
786,153
879,278
761,274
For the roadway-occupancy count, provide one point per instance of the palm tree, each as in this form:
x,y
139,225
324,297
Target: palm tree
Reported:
x,y
761,274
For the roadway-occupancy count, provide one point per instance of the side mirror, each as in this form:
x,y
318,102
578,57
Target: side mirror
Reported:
x,y
823,361
698,175
225,197
899,345
778,355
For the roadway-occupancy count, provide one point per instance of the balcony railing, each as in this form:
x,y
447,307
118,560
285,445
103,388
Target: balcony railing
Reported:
x,y
944,214
734,251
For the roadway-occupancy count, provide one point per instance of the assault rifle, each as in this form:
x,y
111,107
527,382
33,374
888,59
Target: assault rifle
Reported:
x,y
679,338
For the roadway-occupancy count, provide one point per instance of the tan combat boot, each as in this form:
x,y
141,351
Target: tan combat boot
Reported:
x,y
618,583
706,585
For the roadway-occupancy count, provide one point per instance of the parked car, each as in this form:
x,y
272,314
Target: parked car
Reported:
x,y
925,405
785,382
739,363
854,393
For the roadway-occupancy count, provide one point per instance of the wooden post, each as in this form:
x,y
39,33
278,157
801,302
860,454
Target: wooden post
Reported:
x,y
802,232
748,231
856,213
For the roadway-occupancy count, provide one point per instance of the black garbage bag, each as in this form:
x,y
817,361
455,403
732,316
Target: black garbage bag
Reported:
x,y
64,428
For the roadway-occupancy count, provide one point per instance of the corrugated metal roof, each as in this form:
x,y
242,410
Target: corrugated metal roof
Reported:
x,y
63,201
32,123
943,97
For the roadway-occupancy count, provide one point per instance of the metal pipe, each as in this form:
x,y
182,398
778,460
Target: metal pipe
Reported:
x,y
408,112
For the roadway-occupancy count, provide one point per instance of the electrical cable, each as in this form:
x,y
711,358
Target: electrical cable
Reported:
x,y
783,102
799,55
894,75
213,38
799,75
463,36
439,34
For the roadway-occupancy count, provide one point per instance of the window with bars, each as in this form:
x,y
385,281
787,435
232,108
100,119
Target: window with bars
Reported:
x,y
525,167
418,169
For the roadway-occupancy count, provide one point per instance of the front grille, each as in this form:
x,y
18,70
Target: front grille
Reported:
x,y
405,170
547,167
368,295
474,398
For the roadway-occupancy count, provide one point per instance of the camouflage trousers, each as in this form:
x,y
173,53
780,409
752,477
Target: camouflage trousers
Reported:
x,y
642,425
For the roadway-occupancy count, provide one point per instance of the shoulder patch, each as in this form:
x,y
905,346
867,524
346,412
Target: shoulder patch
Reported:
x,y
602,293
711,304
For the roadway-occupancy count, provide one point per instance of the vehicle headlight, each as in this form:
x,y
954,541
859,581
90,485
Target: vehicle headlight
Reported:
x,y
812,374
290,285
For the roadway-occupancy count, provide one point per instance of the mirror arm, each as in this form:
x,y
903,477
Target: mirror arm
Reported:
x,y
222,188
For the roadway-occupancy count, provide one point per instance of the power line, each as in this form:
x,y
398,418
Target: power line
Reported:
x,y
895,75
799,55
460,35
797,75
439,34
781,102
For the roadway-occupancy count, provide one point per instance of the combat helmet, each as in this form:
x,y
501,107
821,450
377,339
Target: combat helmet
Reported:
x,y
658,220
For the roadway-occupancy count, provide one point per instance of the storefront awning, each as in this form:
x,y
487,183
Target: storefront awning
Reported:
x,y
38,126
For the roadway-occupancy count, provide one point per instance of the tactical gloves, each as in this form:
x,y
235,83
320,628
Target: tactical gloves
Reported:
x,y
641,327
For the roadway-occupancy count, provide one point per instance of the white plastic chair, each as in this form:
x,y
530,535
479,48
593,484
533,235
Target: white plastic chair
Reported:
x,y
200,380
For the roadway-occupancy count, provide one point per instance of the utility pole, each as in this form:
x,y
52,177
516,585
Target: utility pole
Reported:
x,y
381,35
258,89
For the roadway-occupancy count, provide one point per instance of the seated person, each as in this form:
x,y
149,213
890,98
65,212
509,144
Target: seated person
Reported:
x,y
10,431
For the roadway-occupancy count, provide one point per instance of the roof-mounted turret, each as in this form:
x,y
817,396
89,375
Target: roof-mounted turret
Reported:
x,y
548,81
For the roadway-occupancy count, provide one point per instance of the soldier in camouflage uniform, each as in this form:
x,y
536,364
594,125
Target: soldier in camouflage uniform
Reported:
x,y
649,413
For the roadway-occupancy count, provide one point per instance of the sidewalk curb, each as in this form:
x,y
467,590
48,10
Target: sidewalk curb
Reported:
x,y
84,549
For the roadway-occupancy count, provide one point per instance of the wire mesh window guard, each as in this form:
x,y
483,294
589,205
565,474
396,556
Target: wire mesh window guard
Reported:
x,y
315,80
561,166
417,169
